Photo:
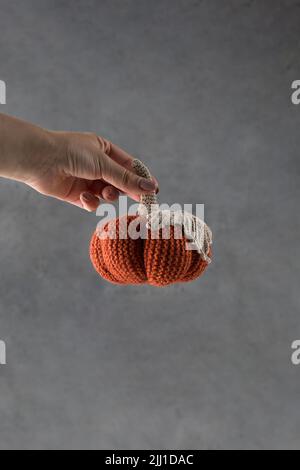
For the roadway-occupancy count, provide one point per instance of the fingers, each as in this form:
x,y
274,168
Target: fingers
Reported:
x,y
103,190
103,172
122,178
109,193
89,201
123,158
120,156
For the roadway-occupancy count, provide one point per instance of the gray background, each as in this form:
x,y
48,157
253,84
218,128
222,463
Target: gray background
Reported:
x,y
203,87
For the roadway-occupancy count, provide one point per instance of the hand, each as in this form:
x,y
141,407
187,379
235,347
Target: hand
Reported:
x,y
78,168
85,168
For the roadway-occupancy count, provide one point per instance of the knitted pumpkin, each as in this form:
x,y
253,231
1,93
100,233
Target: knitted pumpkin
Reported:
x,y
161,256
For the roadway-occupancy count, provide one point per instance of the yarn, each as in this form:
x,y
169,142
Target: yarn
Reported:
x,y
163,256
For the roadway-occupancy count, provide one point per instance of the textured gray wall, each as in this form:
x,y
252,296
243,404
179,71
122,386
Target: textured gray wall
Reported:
x,y
203,86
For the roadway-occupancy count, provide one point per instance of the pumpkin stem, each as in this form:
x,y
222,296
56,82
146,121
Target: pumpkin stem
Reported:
x,y
194,228
148,202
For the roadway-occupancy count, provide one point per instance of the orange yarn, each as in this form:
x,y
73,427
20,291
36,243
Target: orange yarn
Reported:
x,y
158,262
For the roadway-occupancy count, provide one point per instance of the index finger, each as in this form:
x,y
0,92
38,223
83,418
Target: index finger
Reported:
x,y
120,156
123,158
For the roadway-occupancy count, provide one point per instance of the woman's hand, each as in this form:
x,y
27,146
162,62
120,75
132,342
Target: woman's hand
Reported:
x,y
78,168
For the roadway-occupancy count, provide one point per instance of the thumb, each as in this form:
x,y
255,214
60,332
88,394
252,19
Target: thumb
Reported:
x,y
125,179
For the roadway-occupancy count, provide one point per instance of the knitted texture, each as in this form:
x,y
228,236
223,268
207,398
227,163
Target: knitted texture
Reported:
x,y
158,262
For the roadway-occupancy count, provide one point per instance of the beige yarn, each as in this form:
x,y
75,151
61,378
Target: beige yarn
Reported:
x,y
195,229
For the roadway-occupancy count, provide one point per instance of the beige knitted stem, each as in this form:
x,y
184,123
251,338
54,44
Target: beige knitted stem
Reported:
x,y
147,201
194,228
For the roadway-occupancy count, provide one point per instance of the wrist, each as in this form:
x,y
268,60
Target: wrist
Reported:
x,y
25,149
37,156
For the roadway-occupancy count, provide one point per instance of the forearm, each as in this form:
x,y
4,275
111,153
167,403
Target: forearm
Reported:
x,y
22,146
77,167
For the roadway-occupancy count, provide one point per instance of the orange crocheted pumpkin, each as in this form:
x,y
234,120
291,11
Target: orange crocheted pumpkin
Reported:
x,y
161,257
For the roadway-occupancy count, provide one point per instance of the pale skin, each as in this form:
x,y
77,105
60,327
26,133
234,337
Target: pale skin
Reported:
x,y
78,168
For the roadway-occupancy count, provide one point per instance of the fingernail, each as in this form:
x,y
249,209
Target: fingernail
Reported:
x,y
147,185
88,197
